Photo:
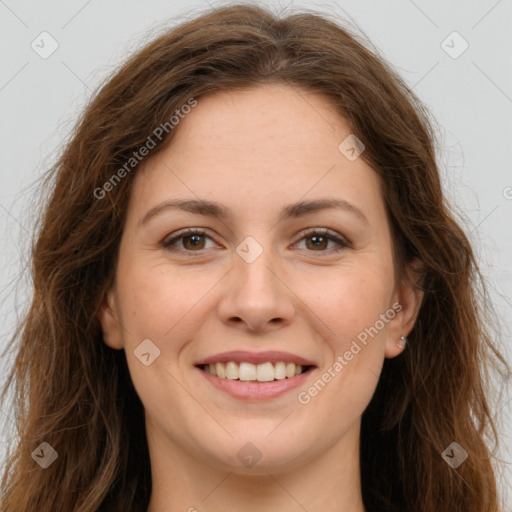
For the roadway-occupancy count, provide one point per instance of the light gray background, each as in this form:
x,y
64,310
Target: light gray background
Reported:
x,y
470,96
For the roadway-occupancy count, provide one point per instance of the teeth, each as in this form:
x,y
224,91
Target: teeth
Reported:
x,y
221,371
232,371
264,372
247,371
280,370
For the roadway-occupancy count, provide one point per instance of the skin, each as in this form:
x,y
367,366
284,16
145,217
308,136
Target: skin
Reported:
x,y
256,151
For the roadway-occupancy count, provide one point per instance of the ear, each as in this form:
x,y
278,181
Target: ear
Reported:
x,y
109,320
409,296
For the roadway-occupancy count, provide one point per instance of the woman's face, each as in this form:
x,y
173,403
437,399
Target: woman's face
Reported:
x,y
260,287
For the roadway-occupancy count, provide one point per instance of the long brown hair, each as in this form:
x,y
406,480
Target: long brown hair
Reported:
x,y
75,393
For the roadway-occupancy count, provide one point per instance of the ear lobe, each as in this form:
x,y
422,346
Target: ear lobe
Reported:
x,y
108,317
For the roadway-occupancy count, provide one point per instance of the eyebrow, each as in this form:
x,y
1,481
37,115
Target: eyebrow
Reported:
x,y
213,209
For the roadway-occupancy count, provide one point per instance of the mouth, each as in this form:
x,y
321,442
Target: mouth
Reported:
x,y
249,372
250,376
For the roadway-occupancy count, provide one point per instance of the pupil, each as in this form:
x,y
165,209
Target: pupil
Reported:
x,y
317,240
193,240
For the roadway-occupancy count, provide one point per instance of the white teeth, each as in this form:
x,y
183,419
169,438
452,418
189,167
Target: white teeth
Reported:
x,y
247,371
265,372
232,371
221,371
280,370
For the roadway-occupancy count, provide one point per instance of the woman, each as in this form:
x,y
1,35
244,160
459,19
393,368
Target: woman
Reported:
x,y
250,293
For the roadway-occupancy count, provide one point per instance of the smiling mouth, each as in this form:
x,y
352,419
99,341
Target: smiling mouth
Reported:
x,y
249,372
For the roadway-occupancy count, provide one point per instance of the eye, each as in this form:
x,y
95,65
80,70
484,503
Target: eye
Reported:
x,y
320,238
193,240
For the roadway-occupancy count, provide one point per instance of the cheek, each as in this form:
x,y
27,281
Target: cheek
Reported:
x,y
349,300
157,301
352,308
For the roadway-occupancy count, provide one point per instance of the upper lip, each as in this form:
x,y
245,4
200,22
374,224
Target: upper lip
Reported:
x,y
271,356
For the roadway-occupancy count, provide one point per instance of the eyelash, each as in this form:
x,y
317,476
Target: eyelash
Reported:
x,y
169,242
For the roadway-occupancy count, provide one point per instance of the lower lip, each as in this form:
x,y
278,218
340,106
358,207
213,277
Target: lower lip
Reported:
x,y
256,390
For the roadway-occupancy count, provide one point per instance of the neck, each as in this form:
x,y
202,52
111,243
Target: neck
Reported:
x,y
183,483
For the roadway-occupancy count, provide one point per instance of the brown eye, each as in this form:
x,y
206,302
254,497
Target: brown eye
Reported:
x,y
192,240
318,241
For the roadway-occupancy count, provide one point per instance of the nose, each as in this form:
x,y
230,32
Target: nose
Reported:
x,y
256,296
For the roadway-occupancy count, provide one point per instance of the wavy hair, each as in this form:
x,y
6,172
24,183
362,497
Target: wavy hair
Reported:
x,y
75,393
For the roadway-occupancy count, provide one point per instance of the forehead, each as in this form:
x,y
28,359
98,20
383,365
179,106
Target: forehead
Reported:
x,y
259,148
